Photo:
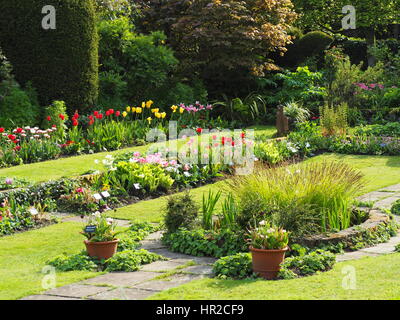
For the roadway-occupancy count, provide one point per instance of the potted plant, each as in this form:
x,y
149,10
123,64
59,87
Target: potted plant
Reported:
x,y
101,236
268,246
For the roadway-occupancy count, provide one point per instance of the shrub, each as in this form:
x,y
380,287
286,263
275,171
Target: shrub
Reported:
x,y
18,108
134,66
334,120
308,264
312,44
238,266
208,50
327,187
206,243
268,152
56,115
76,262
130,260
396,208
181,212
62,64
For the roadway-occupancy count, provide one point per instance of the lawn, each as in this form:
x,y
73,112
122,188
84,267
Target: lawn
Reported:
x,y
370,284
23,255
379,171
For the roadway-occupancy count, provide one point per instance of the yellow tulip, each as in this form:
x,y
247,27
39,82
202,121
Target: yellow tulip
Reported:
x,y
139,110
143,105
155,110
163,115
158,115
124,114
149,119
128,109
181,110
149,103
133,109
174,108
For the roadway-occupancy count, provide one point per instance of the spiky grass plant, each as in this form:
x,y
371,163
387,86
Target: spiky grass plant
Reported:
x,y
323,191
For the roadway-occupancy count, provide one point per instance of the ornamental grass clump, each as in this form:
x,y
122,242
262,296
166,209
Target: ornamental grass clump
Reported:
x,y
323,192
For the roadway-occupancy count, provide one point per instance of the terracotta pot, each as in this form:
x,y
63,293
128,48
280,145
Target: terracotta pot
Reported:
x,y
101,250
266,263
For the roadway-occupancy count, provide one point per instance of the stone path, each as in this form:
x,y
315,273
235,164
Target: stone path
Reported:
x,y
382,199
181,269
150,279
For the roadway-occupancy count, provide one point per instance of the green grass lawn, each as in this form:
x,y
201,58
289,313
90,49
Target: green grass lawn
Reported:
x,y
379,171
23,255
376,278
152,210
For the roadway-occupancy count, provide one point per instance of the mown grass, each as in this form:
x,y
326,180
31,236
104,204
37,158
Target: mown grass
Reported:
x,y
23,256
370,285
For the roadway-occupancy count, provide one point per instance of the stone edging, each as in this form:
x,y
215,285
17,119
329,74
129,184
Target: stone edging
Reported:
x,y
376,218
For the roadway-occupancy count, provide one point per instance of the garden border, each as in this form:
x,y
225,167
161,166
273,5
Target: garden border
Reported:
x,y
376,218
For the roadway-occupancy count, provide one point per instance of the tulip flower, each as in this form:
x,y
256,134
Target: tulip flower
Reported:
x,y
124,114
139,110
149,119
149,104
128,109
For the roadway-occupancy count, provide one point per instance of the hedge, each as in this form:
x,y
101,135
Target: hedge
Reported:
x,y
62,64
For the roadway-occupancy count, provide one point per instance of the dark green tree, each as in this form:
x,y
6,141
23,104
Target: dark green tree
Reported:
x,y
61,63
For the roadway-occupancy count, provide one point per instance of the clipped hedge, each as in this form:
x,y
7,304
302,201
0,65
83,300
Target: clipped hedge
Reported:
x,y
62,64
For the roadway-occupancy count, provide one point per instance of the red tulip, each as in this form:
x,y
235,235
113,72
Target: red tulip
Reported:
x,y
48,118
96,113
118,113
74,123
199,130
243,135
12,137
61,116
108,113
1,130
19,130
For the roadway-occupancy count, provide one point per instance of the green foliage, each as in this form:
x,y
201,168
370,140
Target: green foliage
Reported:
x,y
206,243
307,264
238,266
133,65
105,228
312,44
208,209
295,112
395,208
129,260
18,107
303,86
390,129
208,50
334,120
76,262
328,187
397,248
61,63
181,212
57,113
266,237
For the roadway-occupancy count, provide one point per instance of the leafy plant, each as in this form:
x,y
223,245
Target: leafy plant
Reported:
x,y
104,228
181,212
130,260
395,208
208,209
238,266
266,237
76,262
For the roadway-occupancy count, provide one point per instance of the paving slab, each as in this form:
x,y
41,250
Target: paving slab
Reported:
x,y
375,195
152,245
123,294
155,236
394,188
46,297
160,266
354,256
181,257
201,270
122,279
383,248
171,282
69,218
387,202
76,291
